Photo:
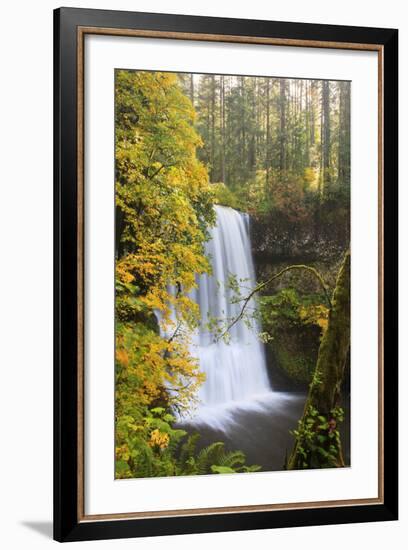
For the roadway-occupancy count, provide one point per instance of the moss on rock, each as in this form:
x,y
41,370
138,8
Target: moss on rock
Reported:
x,y
294,324
294,353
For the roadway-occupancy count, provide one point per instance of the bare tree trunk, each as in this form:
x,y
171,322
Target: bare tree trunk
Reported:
x,y
243,121
213,169
326,136
222,116
321,164
282,126
343,161
308,125
313,93
268,133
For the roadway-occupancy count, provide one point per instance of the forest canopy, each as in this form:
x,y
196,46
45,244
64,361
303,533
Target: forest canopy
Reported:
x,y
271,140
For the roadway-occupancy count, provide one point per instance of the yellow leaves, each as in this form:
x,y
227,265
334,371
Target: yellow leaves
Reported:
x,y
311,177
159,439
154,355
122,357
163,201
182,364
147,266
151,390
315,314
323,323
122,272
122,452
135,427
154,300
151,364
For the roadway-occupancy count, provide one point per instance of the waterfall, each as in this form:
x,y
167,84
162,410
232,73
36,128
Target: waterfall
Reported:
x,y
235,372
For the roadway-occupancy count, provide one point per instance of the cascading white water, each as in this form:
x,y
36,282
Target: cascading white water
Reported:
x,y
235,371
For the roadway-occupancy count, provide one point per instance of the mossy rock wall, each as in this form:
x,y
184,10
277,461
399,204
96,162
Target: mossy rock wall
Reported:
x,y
291,358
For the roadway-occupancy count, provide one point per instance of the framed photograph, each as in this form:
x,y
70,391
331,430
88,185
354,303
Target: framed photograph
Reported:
x,y
225,274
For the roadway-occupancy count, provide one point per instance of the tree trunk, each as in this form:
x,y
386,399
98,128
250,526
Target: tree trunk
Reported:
x,y
344,135
321,156
313,93
326,136
325,388
212,161
243,121
222,116
282,126
268,134
307,123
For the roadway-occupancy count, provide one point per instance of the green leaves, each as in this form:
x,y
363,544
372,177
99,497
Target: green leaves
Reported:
x,y
122,469
289,308
318,439
222,470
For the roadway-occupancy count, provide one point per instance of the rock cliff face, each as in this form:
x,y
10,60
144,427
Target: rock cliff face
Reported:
x,y
318,238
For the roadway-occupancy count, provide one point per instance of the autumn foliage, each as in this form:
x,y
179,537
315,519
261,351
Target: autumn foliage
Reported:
x,y
163,206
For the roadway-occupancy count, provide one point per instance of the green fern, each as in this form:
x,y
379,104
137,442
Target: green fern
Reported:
x,y
186,461
232,459
208,456
213,459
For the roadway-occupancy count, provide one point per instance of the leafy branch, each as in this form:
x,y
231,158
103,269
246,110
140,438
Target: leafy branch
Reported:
x,y
264,284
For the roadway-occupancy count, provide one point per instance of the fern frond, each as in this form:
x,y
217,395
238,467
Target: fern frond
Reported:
x,y
208,456
232,459
188,450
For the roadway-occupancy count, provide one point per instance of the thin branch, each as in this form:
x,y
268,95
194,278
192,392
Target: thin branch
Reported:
x,y
260,286
161,167
179,324
170,162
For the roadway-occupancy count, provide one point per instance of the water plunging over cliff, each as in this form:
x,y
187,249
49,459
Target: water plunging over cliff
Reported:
x,y
235,372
